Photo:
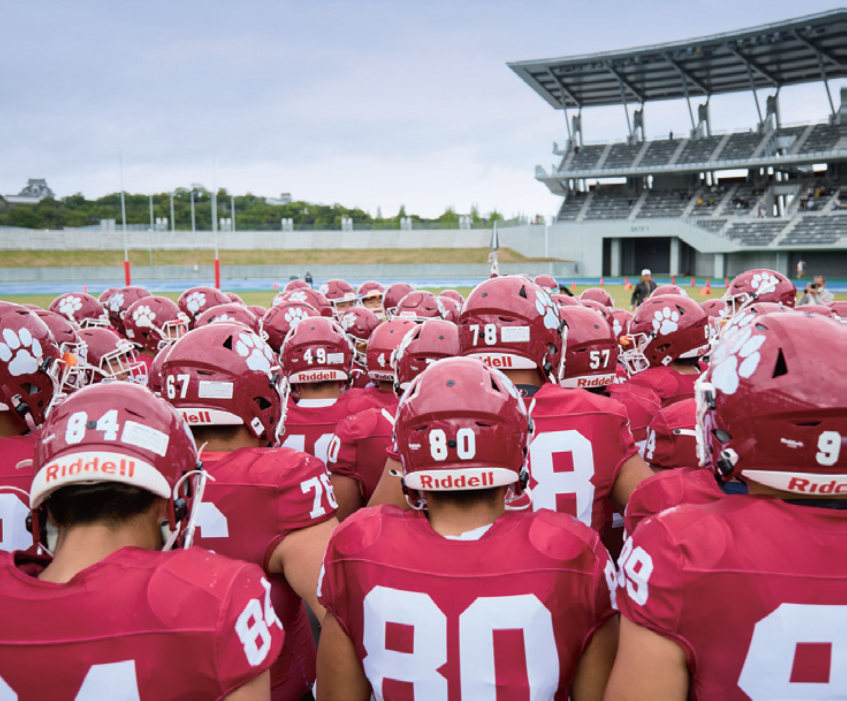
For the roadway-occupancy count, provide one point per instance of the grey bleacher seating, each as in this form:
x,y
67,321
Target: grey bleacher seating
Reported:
x,y
571,207
706,202
816,230
621,155
746,197
663,203
709,224
659,153
755,232
698,150
611,202
586,158
740,146
823,138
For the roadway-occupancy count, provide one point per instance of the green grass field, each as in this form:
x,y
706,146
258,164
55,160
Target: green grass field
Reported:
x,y
618,293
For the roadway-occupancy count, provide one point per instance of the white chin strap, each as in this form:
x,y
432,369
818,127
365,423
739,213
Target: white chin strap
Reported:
x,y
169,536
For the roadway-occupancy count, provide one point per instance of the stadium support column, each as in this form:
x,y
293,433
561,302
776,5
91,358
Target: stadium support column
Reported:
x,y
615,254
675,256
720,266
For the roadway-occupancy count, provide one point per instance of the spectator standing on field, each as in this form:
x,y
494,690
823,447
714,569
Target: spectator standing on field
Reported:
x,y
801,269
816,292
308,278
643,289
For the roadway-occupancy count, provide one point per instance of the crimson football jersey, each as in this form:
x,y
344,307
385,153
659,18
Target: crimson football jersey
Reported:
x,y
671,385
258,496
139,624
671,438
310,423
752,589
669,488
641,404
384,399
14,506
506,614
358,448
359,378
581,441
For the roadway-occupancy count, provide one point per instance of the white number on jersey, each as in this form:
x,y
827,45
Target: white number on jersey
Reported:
x,y
650,446
551,483
116,681
477,624
780,637
13,532
299,443
253,627
322,486
635,567
211,521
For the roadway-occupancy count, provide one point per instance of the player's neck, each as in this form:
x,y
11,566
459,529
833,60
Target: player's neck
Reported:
x,y
685,368
83,546
525,377
149,354
382,386
320,390
454,519
8,425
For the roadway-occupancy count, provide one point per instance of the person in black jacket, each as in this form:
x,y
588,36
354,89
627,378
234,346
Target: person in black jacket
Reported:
x,y
643,289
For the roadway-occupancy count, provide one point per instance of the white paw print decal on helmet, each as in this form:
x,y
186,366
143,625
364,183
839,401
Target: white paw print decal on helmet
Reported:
x,y
547,308
143,316
739,321
21,351
258,354
223,317
616,327
297,296
347,321
116,301
323,289
664,322
69,305
294,316
762,281
195,301
734,358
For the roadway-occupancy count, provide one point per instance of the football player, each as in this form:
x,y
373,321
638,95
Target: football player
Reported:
x,y
341,296
111,492
745,597
359,323
151,323
196,300
267,505
458,595
382,343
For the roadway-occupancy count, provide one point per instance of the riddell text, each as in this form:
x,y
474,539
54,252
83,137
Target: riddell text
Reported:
x,y
125,468
501,362
601,381
798,484
317,376
462,482
201,417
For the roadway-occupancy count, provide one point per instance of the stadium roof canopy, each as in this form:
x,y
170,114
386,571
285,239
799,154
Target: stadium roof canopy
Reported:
x,y
796,51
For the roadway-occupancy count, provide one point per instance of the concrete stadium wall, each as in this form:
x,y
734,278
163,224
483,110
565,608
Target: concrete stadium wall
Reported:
x,y
86,275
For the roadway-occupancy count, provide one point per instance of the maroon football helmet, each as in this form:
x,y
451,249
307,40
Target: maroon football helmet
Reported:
x,y
66,335
598,307
547,282
759,286
565,300
452,309
104,297
153,322
306,295
672,437
317,350
120,301
509,322
371,293
619,322
664,329
81,308
32,368
591,349
155,381
455,295
460,426
383,342
235,299
281,318
292,285
393,294
120,433
840,309
340,294
821,309
258,310
765,413
359,323
421,346
669,290
597,294
225,375
419,306
231,312
193,302
109,357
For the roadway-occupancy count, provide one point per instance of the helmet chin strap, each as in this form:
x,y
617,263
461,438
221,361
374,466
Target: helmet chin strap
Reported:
x,y
170,536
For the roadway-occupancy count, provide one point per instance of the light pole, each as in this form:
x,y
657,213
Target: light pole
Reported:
x,y
127,274
232,210
173,224
150,237
192,211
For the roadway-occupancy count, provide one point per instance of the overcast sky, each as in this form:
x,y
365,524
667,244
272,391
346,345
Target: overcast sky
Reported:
x,y
370,103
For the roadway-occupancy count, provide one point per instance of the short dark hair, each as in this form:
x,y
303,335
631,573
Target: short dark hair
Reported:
x,y
317,385
111,503
203,434
465,498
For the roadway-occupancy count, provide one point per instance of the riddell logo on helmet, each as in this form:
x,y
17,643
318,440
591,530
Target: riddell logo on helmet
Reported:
x,y
317,376
599,381
197,417
494,361
486,479
94,465
805,486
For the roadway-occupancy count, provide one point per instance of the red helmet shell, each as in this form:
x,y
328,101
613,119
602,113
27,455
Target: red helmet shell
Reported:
x,y
461,425
155,381
381,345
547,282
421,346
619,321
566,300
598,294
672,438
359,323
195,301
228,313
596,306
258,310
840,309
419,306
393,294
511,323
81,308
453,310
591,349
761,286
120,301
454,295
110,357
369,289
669,290
821,309
225,375
762,411
306,295
153,322
317,350
338,292
292,285
235,299
281,318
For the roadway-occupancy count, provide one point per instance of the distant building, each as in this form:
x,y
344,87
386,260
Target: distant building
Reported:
x,y
284,198
35,191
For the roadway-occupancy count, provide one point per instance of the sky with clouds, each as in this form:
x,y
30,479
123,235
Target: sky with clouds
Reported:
x,y
373,103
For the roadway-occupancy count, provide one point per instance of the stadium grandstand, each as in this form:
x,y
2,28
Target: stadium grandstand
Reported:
x,y
704,203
